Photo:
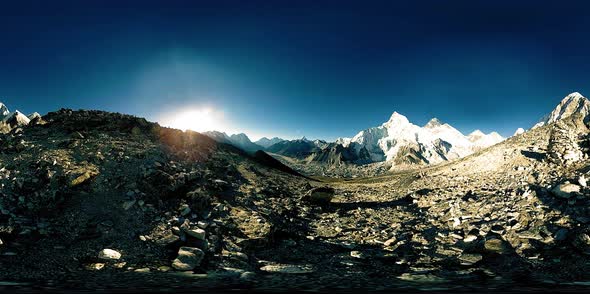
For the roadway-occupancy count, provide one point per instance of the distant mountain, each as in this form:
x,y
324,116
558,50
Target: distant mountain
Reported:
x,y
3,111
242,141
482,140
10,120
572,103
518,132
34,115
266,142
16,119
401,142
299,148
239,140
220,137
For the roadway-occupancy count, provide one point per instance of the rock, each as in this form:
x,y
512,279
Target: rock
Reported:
x,y
582,181
142,270
83,178
167,240
495,246
566,190
582,242
196,233
389,242
469,238
128,204
184,210
188,258
319,196
95,266
109,254
470,259
164,268
287,269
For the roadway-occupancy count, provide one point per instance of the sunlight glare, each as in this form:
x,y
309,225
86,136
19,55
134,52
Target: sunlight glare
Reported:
x,y
199,120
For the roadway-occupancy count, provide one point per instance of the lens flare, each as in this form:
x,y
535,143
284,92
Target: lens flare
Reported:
x,y
199,120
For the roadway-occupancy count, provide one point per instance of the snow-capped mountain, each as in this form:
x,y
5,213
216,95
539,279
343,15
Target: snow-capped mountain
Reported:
x,y
572,103
3,111
239,140
518,132
343,141
266,142
16,119
433,143
482,140
34,115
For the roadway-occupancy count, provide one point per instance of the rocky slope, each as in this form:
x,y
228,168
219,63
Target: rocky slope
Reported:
x,y
96,200
571,104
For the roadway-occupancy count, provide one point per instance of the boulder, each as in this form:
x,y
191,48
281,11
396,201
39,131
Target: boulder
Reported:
x,y
109,254
319,196
566,190
188,258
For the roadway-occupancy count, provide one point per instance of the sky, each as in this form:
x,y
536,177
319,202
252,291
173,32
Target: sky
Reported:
x,y
320,69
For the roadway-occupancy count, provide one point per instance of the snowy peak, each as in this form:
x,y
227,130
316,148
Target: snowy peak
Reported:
x,y
475,135
518,132
33,116
398,140
482,140
396,119
433,123
16,119
572,103
4,112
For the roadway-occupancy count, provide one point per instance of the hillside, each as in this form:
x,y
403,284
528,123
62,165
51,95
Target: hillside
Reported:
x,y
119,202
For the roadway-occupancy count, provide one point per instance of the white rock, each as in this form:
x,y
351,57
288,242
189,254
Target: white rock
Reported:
x,y
565,190
582,181
109,254
196,233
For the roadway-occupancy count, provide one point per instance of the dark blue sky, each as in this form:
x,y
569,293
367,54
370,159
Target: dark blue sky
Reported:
x,y
291,68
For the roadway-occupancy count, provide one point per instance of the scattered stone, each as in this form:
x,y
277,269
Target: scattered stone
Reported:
x,y
142,270
495,246
196,233
470,259
287,269
109,254
582,181
566,190
188,258
95,266
319,196
83,178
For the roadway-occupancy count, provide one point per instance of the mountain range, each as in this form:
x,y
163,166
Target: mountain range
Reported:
x,y
396,141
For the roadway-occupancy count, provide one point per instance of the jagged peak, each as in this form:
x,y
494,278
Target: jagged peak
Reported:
x,y
518,132
434,122
476,133
397,118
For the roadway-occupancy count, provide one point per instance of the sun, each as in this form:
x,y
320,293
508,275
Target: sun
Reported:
x,y
199,120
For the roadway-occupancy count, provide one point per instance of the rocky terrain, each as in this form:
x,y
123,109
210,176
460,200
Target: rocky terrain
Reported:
x,y
92,200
